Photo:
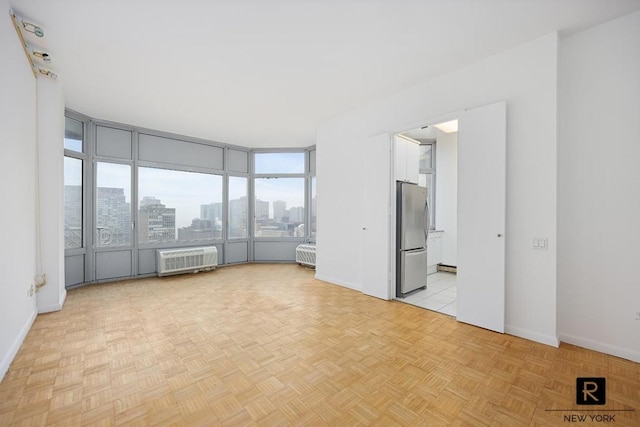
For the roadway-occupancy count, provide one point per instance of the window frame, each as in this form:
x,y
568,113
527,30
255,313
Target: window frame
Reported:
x,y
83,157
431,171
303,175
176,243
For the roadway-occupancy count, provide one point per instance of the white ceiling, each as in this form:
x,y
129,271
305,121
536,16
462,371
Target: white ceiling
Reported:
x,y
265,73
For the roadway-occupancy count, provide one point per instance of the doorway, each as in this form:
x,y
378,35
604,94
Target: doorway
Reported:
x,y
436,161
481,215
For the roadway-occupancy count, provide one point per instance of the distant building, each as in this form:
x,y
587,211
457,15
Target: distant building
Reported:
x,y
113,217
200,229
280,211
213,213
296,214
238,218
157,222
262,210
72,216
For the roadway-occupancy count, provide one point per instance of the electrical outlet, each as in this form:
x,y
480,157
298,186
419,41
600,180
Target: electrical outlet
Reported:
x,y
637,315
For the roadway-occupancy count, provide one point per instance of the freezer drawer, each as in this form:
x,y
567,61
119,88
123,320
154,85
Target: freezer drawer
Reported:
x,y
413,270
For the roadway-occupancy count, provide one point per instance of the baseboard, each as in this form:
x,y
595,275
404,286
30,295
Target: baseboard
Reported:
x,y
54,307
15,346
613,350
338,282
532,336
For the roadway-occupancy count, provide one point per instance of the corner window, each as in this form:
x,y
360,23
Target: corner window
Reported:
x,y
279,189
279,207
113,204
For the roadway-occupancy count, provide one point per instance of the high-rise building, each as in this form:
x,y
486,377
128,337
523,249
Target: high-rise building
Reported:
x,y
72,216
113,217
279,211
296,214
238,218
213,213
262,210
157,222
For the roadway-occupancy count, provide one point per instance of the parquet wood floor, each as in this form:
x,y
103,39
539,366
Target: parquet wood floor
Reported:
x,y
269,345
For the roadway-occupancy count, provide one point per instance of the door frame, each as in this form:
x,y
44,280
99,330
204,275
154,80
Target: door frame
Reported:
x,y
392,188
392,226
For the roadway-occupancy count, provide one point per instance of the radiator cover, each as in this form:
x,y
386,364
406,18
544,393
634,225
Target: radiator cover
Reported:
x,y
187,260
306,255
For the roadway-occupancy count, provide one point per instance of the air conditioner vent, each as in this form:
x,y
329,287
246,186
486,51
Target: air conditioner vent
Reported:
x,y
306,255
176,261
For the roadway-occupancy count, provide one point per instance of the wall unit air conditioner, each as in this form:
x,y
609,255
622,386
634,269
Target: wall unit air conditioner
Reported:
x,y
187,260
306,255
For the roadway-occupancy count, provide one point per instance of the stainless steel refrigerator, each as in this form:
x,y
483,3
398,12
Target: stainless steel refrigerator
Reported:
x,y
412,220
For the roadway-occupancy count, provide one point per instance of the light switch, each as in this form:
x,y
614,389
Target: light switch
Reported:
x,y
541,243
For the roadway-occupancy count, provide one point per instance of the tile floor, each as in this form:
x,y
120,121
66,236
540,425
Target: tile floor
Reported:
x,y
439,296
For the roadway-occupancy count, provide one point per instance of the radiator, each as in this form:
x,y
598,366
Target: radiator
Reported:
x,y
306,255
176,261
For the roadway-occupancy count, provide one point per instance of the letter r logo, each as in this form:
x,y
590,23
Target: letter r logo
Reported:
x,y
591,391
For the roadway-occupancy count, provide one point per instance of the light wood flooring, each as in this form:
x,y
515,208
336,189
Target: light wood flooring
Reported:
x,y
269,345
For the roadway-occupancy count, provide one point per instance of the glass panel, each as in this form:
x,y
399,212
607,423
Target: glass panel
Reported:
x,y
238,207
113,205
425,156
279,208
179,206
313,208
72,203
73,134
275,163
426,180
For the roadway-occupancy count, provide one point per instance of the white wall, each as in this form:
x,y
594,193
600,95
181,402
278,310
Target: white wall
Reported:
x,y
17,216
51,194
526,78
599,188
447,194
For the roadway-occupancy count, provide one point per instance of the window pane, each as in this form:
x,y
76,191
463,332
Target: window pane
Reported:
x,y
279,208
113,206
274,163
73,134
313,208
72,203
179,206
425,156
238,207
426,180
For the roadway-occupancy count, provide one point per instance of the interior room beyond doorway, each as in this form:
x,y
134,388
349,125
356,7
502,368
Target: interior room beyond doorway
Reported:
x,y
436,165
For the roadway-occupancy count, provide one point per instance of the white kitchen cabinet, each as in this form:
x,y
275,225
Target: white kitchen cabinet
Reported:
x,y
434,251
407,160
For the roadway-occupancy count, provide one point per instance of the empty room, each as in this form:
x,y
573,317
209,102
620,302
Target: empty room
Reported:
x,y
346,213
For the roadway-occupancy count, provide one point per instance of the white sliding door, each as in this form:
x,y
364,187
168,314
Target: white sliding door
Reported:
x,y
481,216
374,262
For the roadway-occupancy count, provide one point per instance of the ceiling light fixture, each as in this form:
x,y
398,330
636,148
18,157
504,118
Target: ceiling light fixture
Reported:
x,y
32,28
448,127
38,57
45,72
39,54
